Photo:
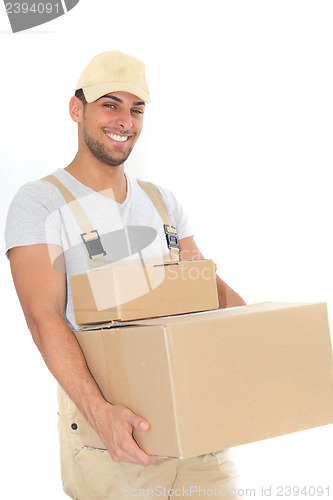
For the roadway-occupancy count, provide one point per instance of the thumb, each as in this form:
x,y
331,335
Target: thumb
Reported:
x,y
140,423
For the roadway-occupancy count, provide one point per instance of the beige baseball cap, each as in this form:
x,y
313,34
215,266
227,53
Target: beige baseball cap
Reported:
x,y
113,71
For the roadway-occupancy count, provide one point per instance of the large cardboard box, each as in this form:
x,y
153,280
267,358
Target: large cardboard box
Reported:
x,y
133,290
212,380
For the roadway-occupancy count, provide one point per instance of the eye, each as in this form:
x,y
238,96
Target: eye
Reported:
x,y
109,105
137,111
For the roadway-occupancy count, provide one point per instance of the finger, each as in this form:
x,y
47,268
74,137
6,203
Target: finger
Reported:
x,y
131,452
139,423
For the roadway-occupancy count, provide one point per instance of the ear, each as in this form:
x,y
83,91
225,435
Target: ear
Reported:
x,y
76,109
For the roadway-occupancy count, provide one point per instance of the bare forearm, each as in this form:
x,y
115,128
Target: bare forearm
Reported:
x,y
42,293
64,358
227,296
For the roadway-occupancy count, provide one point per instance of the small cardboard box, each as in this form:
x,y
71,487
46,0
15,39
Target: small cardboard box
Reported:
x,y
211,380
130,290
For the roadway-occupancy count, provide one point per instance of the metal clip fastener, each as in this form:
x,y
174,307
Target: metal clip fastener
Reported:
x,y
171,236
93,244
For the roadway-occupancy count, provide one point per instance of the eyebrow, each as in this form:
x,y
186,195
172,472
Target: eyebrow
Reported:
x,y
137,103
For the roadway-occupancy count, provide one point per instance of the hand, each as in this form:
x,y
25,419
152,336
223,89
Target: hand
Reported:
x,y
115,427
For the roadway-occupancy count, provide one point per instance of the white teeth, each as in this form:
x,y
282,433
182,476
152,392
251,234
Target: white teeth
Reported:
x,y
118,138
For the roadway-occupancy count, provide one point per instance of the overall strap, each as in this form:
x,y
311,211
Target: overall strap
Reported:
x,y
170,231
89,235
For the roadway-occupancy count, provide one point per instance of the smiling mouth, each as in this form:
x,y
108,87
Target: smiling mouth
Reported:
x,y
116,137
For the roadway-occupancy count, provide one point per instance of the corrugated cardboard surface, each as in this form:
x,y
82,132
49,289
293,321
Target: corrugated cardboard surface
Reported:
x,y
216,379
127,292
131,365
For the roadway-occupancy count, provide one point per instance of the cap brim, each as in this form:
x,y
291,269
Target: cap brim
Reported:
x,y
94,92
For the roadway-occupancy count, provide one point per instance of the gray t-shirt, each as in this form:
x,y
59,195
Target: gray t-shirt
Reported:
x,y
133,229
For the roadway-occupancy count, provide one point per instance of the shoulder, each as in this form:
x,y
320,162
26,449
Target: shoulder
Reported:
x,y
167,195
176,211
36,193
33,210
43,195
32,214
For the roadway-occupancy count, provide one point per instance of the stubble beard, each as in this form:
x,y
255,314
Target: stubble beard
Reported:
x,y
98,150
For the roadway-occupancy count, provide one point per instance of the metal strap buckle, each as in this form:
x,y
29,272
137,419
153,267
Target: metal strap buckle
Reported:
x,y
171,236
93,244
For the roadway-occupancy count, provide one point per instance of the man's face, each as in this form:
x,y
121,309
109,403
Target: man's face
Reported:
x,y
111,126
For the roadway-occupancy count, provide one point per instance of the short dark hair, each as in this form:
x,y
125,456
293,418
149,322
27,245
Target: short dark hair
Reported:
x,y
80,95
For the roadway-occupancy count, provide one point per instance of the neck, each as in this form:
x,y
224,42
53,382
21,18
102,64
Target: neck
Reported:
x,y
110,181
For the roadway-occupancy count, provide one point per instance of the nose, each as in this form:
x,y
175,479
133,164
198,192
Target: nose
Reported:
x,y
124,119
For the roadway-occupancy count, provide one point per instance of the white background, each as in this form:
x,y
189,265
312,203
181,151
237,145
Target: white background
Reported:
x,y
240,128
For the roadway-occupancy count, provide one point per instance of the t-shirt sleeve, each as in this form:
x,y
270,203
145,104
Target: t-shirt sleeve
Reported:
x,y
31,220
177,213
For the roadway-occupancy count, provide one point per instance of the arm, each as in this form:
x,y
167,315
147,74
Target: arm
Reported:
x,y
227,296
42,293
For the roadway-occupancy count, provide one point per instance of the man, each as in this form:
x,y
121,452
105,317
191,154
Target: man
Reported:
x,y
108,107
